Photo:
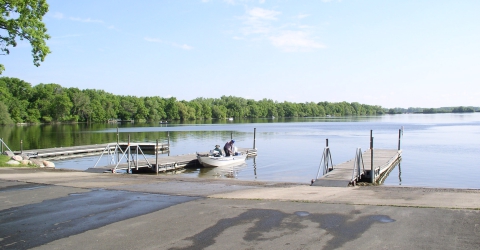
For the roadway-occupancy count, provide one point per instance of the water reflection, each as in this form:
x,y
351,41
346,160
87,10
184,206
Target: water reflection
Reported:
x,y
255,167
399,174
222,172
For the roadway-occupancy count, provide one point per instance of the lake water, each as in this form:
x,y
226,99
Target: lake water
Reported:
x,y
438,150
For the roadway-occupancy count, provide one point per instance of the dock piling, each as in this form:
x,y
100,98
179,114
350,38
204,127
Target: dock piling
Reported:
x,y
399,138
168,138
371,139
254,136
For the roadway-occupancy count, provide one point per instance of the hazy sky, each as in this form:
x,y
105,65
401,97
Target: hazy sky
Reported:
x,y
408,53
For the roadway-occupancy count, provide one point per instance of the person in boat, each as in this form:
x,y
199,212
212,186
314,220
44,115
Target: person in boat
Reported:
x,y
228,148
217,151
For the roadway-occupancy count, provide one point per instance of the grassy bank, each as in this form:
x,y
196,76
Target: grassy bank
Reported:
x,y
4,159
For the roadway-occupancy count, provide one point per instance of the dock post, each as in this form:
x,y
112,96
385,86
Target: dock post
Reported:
x,y
168,138
21,146
372,173
327,143
399,138
254,136
118,145
156,158
371,139
128,148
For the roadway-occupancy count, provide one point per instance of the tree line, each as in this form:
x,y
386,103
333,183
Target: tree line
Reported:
x,y
459,109
46,103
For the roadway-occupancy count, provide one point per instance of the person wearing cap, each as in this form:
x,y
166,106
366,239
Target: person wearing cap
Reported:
x,y
217,151
228,148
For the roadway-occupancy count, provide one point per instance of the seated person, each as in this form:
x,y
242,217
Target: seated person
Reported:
x,y
217,151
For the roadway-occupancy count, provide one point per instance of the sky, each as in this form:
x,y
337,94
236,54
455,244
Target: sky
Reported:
x,y
405,53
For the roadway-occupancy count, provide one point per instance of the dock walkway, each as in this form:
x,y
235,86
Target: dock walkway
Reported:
x,y
86,149
341,174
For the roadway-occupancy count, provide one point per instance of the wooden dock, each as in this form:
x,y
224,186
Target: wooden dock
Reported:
x,y
341,175
87,149
168,163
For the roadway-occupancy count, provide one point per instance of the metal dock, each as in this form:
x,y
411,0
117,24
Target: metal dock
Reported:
x,y
86,149
347,173
371,166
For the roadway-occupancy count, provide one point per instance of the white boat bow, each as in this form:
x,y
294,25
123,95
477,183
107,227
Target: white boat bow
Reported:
x,y
208,160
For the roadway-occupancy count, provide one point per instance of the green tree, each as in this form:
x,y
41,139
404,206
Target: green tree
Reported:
x,y
22,19
42,99
128,108
219,112
81,105
171,109
155,108
61,107
4,115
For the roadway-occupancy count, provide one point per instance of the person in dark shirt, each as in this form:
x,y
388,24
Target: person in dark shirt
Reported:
x,y
228,148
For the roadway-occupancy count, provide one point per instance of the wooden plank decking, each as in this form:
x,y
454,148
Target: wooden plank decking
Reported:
x,y
341,175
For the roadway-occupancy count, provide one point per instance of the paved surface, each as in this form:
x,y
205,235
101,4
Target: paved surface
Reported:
x,y
42,209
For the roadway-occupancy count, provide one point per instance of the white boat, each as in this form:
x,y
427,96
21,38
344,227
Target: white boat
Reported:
x,y
208,160
230,119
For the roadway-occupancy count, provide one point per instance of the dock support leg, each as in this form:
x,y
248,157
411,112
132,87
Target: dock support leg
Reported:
x,y
372,171
156,158
129,154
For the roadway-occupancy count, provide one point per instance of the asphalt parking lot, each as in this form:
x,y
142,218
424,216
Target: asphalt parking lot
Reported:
x,y
76,210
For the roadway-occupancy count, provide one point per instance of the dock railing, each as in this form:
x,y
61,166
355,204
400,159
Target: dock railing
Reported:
x,y
326,164
116,158
358,167
4,144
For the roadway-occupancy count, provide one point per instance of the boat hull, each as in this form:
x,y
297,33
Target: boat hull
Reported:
x,y
212,162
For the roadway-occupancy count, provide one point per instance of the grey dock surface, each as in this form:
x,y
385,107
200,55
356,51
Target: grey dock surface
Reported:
x,y
86,149
341,174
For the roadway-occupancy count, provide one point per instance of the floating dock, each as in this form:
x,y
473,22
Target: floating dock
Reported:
x,y
347,174
76,151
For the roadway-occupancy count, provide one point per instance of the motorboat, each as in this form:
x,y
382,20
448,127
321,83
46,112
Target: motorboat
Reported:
x,y
210,160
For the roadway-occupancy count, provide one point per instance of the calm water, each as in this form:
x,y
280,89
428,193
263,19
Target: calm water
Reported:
x,y
439,150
